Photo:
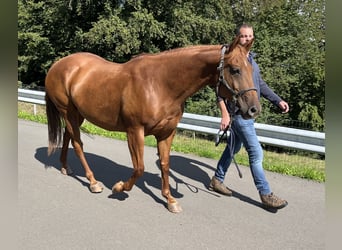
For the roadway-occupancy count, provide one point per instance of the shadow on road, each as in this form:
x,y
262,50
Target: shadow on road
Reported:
x,y
193,169
109,173
105,171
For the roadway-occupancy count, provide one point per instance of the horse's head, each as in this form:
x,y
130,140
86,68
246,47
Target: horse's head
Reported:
x,y
236,79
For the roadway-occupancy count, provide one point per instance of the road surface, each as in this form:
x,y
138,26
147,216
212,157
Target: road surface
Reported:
x,y
59,212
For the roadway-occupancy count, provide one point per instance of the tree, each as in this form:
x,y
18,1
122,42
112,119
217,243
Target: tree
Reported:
x,y
290,41
290,52
35,51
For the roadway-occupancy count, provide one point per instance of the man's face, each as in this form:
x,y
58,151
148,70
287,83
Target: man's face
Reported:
x,y
246,34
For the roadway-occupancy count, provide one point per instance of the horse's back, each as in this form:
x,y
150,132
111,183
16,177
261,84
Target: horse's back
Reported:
x,y
70,64
75,69
79,58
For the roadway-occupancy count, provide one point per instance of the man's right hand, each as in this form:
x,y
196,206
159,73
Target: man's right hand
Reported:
x,y
225,121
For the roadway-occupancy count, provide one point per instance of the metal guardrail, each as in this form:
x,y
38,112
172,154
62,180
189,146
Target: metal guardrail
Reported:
x,y
31,96
267,134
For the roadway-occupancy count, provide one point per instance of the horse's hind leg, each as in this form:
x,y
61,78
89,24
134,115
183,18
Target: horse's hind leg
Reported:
x,y
64,154
66,169
135,138
73,126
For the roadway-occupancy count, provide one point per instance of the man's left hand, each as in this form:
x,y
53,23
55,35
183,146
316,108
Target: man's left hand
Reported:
x,y
284,106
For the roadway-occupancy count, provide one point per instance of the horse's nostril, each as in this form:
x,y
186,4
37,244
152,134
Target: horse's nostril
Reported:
x,y
252,111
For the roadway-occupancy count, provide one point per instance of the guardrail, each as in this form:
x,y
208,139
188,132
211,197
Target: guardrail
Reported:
x,y
267,134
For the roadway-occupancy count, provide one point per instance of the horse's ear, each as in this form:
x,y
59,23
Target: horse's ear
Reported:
x,y
249,45
234,43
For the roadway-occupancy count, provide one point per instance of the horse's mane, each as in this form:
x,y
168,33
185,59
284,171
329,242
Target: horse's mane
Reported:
x,y
176,51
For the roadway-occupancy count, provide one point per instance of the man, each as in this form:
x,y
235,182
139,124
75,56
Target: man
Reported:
x,y
243,132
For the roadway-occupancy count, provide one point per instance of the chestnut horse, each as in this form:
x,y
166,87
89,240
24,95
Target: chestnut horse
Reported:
x,y
144,96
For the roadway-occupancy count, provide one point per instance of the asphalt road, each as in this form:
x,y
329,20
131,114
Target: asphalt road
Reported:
x,y
59,212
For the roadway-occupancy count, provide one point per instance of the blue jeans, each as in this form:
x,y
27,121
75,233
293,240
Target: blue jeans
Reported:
x,y
243,132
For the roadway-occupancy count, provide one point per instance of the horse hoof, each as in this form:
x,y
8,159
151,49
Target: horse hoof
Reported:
x,y
174,207
67,171
96,188
118,187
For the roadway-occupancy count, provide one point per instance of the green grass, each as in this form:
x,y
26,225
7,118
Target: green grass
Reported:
x,y
291,163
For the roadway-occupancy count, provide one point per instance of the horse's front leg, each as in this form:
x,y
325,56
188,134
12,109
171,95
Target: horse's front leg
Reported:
x,y
164,147
135,139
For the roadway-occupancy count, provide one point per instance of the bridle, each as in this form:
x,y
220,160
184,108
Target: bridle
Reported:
x,y
222,80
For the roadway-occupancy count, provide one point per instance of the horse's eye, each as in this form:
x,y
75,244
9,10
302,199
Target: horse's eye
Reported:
x,y
234,71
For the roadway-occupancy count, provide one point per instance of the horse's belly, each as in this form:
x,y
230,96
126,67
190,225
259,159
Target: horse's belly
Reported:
x,y
108,124
102,116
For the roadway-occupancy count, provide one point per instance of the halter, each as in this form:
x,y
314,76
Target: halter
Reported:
x,y
235,94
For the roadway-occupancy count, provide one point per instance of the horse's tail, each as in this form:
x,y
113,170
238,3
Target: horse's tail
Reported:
x,y
54,125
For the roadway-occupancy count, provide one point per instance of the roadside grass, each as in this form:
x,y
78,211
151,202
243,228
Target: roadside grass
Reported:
x,y
291,163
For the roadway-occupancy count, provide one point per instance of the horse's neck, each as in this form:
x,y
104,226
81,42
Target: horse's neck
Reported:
x,y
197,71
191,72
182,72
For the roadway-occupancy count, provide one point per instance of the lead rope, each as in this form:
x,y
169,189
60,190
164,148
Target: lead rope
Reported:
x,y
231,146
232,142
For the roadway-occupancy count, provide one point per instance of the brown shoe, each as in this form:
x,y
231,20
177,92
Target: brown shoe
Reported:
x,y
272,201
219,187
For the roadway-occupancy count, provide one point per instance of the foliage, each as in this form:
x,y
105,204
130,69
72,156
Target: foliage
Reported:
x,y
293,57
290,41
196,105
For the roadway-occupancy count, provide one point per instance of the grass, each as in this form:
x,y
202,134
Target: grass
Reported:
x,y
291,163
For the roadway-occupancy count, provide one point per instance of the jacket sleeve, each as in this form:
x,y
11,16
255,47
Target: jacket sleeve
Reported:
x,y
265,90
268,93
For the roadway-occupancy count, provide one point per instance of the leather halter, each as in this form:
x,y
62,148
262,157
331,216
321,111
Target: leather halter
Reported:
x,y
222,80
